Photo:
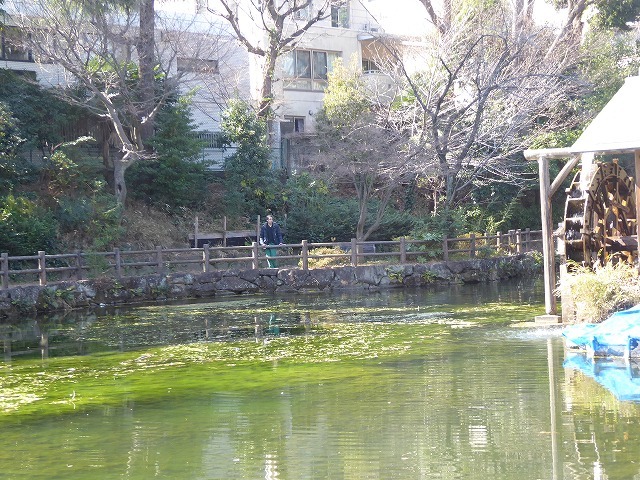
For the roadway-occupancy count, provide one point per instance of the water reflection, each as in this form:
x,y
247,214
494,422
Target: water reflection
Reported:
x,y
228,319
620,376
484,401
120,332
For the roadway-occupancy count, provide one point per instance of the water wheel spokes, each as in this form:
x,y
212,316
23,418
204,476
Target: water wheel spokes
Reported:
x,y
600,222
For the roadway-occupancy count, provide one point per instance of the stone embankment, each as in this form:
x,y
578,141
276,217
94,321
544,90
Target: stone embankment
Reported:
x,y
181,286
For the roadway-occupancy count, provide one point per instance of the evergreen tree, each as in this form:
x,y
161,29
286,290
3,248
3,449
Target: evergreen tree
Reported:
x,y
175,178
250,185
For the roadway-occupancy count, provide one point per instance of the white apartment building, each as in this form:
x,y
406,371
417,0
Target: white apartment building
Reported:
x,y
224,69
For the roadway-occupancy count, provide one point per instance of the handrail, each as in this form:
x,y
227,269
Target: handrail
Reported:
x,y
158,261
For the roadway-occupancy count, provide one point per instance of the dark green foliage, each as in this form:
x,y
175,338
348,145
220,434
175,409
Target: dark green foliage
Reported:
x,y
62,197
610,13
176,178
316,215
25,227
88,215
10,140
437,227
9,134
609,59
92,221
41,115
251,187
617,13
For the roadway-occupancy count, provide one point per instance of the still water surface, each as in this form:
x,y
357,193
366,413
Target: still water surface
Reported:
x,y
403,384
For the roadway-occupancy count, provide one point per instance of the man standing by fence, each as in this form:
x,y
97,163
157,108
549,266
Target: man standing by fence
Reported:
x,y
270,234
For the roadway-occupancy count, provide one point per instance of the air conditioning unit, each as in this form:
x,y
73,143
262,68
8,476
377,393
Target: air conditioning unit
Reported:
x,y
367,27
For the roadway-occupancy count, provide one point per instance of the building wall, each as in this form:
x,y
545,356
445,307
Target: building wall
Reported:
x,y
325,37
238,73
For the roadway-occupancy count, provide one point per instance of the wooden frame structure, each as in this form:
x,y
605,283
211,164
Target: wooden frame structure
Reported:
x,y
614,130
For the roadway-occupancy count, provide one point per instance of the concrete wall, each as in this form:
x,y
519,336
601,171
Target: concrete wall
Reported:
x,y
131,290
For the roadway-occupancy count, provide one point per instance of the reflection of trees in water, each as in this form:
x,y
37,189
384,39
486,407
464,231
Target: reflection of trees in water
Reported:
x,y
226,319
122,331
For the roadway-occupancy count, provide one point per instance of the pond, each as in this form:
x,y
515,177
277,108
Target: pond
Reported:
x,y
399,384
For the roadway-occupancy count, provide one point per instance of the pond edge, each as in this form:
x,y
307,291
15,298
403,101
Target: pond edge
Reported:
x,y
98,292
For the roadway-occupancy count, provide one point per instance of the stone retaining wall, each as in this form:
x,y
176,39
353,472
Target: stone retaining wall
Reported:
x,y
176,286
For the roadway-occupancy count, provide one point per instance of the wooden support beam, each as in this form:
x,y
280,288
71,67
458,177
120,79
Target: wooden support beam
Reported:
x,y
547,237
637,189
566,170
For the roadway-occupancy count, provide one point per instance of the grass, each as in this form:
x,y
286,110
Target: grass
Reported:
x,y
600,292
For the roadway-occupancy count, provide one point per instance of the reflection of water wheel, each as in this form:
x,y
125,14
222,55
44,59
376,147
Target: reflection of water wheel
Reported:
x,y
599,222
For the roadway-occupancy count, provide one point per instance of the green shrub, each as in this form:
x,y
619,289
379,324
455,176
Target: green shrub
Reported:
x,y
92,222
25,227
318,215
9,143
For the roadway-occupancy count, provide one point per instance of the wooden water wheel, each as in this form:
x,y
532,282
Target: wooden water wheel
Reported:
x,y
600,222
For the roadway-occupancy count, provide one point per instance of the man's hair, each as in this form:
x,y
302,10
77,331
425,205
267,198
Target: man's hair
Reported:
x,y
269,217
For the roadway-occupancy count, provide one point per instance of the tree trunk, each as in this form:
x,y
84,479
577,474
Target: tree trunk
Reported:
x,y
147,63
266,92
119,168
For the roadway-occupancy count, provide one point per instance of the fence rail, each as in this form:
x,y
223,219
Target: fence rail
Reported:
x,y
45,268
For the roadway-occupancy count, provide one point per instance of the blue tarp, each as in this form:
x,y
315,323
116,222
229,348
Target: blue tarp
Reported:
x,y
621,380
614,332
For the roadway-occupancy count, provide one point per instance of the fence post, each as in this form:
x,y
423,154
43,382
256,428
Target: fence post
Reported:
x,y
498,241
511,241
195,233
518,241
4,266
472,245
159,267
254,256
305,255
403,250
79,265
42,266
354,252
206,256
224,231
117,262
527,240
445,249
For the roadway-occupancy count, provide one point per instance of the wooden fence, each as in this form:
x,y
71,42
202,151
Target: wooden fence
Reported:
x,y
45,268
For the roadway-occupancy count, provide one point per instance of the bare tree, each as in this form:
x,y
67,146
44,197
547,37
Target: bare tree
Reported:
x,y
441,19
358,146
284,23
484,94
572,25
111,62
444,14
147,62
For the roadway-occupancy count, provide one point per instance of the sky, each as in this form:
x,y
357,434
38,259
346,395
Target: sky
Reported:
x,y
399,16
408,17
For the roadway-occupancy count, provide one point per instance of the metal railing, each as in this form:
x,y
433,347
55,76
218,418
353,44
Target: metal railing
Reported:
x,y
46,268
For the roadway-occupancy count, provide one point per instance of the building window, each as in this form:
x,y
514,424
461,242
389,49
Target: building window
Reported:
x,y
307,69
292,125
197,65
369,66
340,16
212,139
11,48
303,13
